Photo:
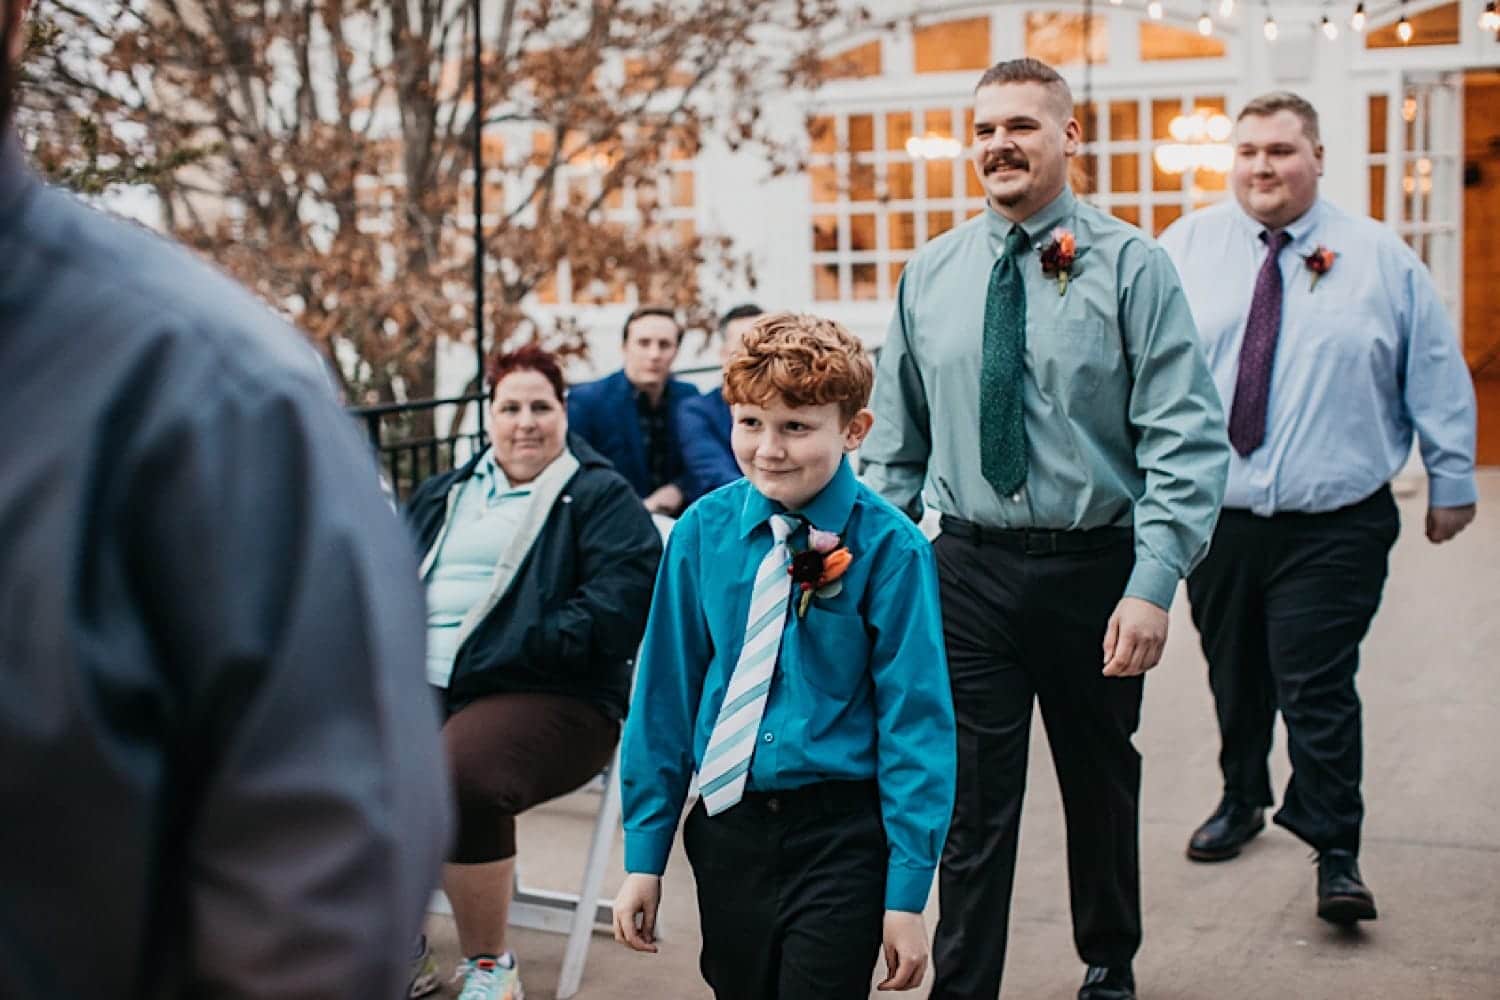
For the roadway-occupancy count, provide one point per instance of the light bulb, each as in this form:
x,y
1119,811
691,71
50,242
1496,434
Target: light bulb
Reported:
x,y
1357,21
1153,10
1403,30
1270,29
1490,19
1330,30
1205,25
1226,8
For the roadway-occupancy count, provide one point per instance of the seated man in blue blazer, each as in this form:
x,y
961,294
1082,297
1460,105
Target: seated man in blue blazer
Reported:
x,y
630,417
704,423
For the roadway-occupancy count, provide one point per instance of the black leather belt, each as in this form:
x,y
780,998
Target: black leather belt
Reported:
x,y
826,797
1034,541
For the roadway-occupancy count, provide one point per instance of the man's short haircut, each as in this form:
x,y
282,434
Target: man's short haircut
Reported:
x,y
1031,71
1284,100
745,310
529,358
645,311
800,360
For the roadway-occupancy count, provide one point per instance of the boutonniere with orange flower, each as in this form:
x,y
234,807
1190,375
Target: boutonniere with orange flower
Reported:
x,y
816,571
1319,262
1060,256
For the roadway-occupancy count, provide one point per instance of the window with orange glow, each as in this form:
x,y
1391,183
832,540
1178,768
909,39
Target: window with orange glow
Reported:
x,y
1057,39
878,193
1434,26
664,208
953,45
854,64
1160,42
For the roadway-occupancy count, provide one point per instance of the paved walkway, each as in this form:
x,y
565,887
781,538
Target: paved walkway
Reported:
x,y
1244,929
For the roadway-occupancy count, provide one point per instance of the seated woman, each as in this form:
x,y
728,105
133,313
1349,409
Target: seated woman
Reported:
x,y
539,563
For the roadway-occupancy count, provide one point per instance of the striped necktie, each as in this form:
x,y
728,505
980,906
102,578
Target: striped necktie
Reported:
x,y
726,762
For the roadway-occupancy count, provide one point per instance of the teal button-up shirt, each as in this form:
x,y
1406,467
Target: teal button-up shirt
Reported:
x,y
1124,426
860,689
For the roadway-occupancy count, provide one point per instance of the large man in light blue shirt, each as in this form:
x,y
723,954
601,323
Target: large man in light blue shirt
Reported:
x,y
1328,341
1052,399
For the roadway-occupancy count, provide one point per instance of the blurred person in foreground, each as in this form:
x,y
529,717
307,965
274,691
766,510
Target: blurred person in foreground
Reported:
x,y
221,774
538,560
1328,339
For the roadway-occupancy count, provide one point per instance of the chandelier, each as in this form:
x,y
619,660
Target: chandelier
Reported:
x,y
933,146
1200,143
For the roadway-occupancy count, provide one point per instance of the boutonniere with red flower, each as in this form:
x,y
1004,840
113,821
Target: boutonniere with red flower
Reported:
x,y
1319,262
816,571
1060,256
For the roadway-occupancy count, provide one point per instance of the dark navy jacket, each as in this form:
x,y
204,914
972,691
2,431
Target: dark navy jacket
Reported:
x,y
703,427
220,771
604,414
572,617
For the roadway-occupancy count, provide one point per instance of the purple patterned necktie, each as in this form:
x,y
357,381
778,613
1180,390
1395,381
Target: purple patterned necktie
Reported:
x,y
1252,387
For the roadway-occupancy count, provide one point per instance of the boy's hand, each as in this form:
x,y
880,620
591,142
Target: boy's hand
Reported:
x,y
639,896
905,941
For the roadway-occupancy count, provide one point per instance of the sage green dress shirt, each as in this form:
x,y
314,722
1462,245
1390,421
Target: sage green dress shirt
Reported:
x,y
1123,423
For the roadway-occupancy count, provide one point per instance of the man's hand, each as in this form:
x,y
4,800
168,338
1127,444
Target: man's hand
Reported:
x,y
1445,522
905,941
668,500
640,896
1135,637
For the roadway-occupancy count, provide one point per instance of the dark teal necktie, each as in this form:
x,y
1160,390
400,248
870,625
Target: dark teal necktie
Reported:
x,y
1002,426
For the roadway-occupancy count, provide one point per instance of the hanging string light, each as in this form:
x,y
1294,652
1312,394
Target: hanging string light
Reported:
x,y
1205,24
1226,8
1153,10
1329,29
1357,21
1403,27
1270,29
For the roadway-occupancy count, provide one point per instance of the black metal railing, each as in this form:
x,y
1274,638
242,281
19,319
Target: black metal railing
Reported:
x,y
408,443
410,447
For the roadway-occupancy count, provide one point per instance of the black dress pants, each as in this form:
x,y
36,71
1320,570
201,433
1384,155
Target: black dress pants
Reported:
x,y
791,892
1025,622
1281,604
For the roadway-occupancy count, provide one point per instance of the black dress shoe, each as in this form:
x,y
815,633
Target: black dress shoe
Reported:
x,y
1108,982
1223,834
1342,896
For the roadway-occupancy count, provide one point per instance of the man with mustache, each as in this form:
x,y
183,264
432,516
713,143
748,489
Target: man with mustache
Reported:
x,y
1042,387
221,771
1328,336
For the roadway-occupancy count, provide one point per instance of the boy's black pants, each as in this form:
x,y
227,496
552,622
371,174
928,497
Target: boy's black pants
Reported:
x,y
791,892
1024,616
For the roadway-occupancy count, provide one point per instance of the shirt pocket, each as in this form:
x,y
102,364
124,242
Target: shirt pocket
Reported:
x,y
835,651
1079,356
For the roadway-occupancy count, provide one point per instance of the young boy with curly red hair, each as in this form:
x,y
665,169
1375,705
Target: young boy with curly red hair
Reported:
x,y
794,660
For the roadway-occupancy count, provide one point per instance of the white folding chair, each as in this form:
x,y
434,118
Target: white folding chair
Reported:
x,y
579,914
565,912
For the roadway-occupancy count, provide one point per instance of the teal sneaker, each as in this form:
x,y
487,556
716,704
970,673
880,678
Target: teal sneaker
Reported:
x,y
487,979
424,972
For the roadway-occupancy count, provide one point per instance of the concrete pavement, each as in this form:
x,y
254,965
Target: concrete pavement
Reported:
x,y
1430,681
